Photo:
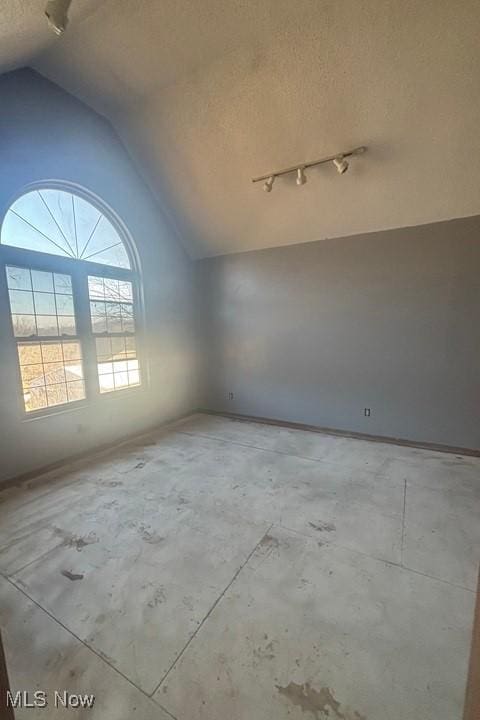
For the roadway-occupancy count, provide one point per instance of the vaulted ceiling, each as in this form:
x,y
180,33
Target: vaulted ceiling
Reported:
x,y
207,94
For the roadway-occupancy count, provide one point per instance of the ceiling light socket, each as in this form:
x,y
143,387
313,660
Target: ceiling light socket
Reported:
x,y
301,177
341,164
268,184
57,15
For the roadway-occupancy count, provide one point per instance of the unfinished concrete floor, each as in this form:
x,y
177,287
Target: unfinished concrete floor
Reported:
x,y
236,570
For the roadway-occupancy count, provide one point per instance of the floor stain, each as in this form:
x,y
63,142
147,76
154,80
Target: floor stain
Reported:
x,y
264,653
76,541
320,703
71,576
140,465
189,602
269,541
149,536
322,526
111,504
159,597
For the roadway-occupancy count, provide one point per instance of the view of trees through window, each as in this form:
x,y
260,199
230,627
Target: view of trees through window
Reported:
x,y
111,309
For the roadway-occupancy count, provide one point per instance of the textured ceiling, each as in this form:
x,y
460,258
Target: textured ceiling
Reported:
x,y
207,94
24,31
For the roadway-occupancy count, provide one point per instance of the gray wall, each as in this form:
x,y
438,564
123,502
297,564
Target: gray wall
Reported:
x,y
47,134
315,333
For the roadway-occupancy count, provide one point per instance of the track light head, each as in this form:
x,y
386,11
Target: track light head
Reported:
x,y
57,15
268,184
341,164
301,177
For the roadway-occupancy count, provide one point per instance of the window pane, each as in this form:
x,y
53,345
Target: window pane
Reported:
x,y
115,371
111,289
118,347
61,223
35,399
18,278
52,352
76,390
106,246
71,351
24,325
127,319
130,347
63,284
42,280
96,288
120,366
133,377
99,325
114,318
125,291
104,348
64,304
54,373
21,301
29,354
45,303
47,325
105,368
121,380
32,376
106,383
98,308
66,325
116,256
73,371
57,394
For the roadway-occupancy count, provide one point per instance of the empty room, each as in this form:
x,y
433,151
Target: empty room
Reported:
x,y
239,360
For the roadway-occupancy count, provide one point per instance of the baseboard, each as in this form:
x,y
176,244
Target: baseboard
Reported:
x,y
436,447
95,451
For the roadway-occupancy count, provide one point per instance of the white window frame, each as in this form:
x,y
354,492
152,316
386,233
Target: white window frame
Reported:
x,y
79,270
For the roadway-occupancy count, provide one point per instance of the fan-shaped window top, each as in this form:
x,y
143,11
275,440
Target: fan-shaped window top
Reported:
x,y
58,222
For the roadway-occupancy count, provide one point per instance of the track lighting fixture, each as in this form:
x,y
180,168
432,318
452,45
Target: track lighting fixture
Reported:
x,y
301,177
339,160
341,164
268,184
57,15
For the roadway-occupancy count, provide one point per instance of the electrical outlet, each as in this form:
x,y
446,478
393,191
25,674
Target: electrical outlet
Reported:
x,y
366,412
230,396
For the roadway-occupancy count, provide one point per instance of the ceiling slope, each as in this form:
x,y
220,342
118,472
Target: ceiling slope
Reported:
x,y
208,94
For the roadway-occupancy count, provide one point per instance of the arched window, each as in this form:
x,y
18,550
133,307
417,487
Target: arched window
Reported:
x,y
73,290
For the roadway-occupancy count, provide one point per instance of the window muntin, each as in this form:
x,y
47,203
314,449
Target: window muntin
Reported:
x,y
58,222
113,324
